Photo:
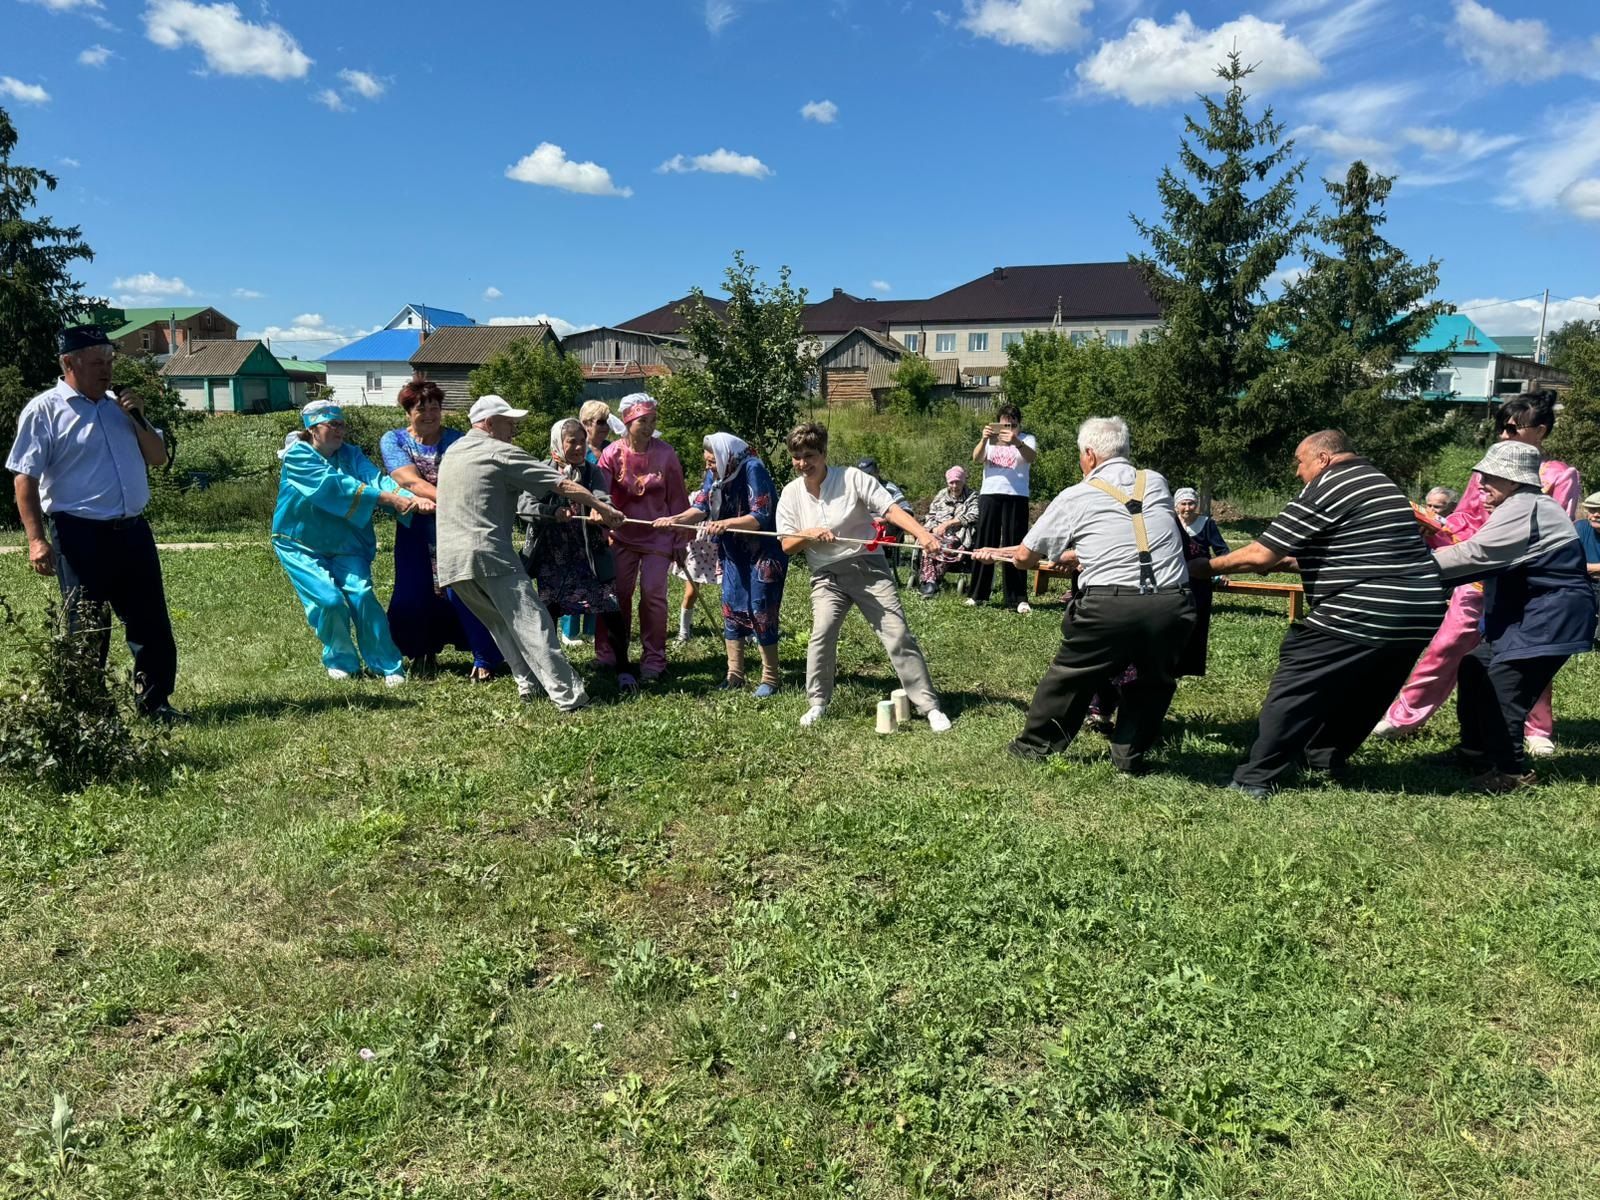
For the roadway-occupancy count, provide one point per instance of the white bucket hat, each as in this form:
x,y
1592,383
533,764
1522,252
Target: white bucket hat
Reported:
x,y
1514,461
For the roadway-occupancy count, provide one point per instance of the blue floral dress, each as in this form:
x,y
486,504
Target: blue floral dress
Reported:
x,y
753,568
422,620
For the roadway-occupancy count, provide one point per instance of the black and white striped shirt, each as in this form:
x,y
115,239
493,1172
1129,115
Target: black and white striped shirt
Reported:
x,y
1368,574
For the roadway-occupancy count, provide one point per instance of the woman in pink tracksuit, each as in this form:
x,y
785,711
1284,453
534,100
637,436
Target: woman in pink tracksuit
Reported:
x,y
647,485
1528,418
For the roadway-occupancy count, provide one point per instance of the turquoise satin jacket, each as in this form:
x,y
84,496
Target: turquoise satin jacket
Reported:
x,y
326,505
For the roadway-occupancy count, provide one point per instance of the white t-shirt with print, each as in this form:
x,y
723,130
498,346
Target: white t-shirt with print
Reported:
x,y
845,504
1005,471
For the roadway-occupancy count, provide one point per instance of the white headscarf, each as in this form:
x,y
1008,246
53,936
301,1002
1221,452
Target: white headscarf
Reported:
x,y
727,450
557,451
290,441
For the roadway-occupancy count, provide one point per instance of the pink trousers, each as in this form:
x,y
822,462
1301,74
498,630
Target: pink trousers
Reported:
x,y
1434,677
646,574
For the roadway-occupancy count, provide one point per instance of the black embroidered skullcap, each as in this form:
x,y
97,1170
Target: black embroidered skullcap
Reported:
x,y
80,337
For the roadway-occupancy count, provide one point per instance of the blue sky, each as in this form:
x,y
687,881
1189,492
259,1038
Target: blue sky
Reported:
x,y
308,168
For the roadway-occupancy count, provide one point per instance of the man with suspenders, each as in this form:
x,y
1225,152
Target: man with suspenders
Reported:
x,y
1118,527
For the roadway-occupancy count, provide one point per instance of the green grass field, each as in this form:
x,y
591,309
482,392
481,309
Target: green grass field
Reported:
x,y
432,943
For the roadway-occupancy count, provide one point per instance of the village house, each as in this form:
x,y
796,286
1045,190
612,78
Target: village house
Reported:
x,y
618,361
449,355
161,331
232,376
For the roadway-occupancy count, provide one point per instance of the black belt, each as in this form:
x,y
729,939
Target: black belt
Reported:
x,y
113,523
1114,589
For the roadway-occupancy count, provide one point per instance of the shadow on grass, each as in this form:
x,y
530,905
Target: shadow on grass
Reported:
x,y
272,707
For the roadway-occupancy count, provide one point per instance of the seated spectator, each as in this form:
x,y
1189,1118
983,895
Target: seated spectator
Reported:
x,y
953,519
1441,501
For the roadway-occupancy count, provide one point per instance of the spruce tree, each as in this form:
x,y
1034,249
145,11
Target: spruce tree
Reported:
x,y
1349,320
1227,222
38,294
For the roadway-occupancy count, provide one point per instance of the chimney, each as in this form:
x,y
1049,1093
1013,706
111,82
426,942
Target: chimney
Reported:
x,y
172,333
999,272
837,292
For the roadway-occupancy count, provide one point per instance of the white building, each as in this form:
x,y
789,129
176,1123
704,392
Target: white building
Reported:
x,y
372,370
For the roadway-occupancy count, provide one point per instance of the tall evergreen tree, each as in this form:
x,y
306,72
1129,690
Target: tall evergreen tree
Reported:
x,y
38,294
1349,320
1225,227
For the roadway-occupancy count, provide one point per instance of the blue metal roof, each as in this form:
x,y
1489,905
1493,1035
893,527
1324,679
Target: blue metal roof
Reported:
x,y
387,345
442,316
1454,327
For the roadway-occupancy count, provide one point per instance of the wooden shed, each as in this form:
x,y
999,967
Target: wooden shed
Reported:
x,y
842,368
448,356
618,361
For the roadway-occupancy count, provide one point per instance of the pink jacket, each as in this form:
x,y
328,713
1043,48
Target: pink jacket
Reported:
x,y
645,486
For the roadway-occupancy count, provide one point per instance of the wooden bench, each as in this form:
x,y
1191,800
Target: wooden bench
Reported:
x,y
1293,592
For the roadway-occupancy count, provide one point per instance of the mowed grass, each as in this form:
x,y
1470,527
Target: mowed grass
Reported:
x,y
433,943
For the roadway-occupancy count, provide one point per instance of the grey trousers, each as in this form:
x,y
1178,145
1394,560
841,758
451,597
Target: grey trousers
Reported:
x,y
864,581
521,626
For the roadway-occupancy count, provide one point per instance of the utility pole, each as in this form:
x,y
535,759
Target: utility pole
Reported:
x,y
1538,347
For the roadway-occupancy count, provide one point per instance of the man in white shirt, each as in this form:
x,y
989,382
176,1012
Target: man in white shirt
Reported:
x,y
825,511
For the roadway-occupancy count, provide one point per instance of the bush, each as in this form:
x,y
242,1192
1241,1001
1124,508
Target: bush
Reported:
x,y
60,721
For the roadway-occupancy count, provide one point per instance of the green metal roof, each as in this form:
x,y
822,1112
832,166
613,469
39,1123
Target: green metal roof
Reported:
x,y
135,319
1520,345
303,365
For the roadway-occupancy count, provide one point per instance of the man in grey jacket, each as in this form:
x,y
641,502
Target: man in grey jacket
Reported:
x,y
480,481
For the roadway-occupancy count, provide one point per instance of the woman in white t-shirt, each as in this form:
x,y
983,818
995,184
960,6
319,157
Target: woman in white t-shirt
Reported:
x,y
1007,456
821,505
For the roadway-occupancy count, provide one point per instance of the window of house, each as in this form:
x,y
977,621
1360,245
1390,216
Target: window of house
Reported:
x,y
977,343
1443,381
913,341
1116,337
944,343
1079,337
144,340
205,320
1009,339
374,382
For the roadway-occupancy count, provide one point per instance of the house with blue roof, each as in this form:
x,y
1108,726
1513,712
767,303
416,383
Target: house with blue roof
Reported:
x,y
1480,370
373,369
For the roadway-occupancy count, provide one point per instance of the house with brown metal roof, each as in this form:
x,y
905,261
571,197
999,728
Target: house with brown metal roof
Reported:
x,y
669,317
236,376
449,355
978,320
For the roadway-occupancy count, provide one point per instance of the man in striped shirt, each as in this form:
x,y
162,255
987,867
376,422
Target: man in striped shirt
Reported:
x,y
1375,598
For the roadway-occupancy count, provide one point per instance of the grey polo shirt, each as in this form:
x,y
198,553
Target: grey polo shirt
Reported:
x,y
480,481
1085,519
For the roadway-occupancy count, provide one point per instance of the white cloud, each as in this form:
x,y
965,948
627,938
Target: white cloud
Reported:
x,y
70,162
1582,198
95,56
248,294
331,100
492,293
24,93
231,45
368,86
68,5
1557,166
1345,25
1504,48
561,327
1441,141
307,329
823,112
719,13
1153,63
549,166
1366,107
1345,147
881,286
152,288
719,162
1510,317
1043,26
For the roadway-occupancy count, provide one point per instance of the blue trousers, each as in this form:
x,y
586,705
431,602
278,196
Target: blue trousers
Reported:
x,y
336,590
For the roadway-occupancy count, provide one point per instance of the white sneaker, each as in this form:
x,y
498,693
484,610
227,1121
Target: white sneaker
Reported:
x,y
393,681
970,602
336,673
571,641
938,722
813,715
1384,730
1024,608
1539,746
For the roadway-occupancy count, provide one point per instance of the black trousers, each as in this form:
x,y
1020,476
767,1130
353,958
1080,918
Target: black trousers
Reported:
x,y
114,563
1105,632
1002,521
1492,702
1325,697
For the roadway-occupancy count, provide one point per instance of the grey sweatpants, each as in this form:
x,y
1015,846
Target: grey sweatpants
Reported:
x,y
521,626
865,581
